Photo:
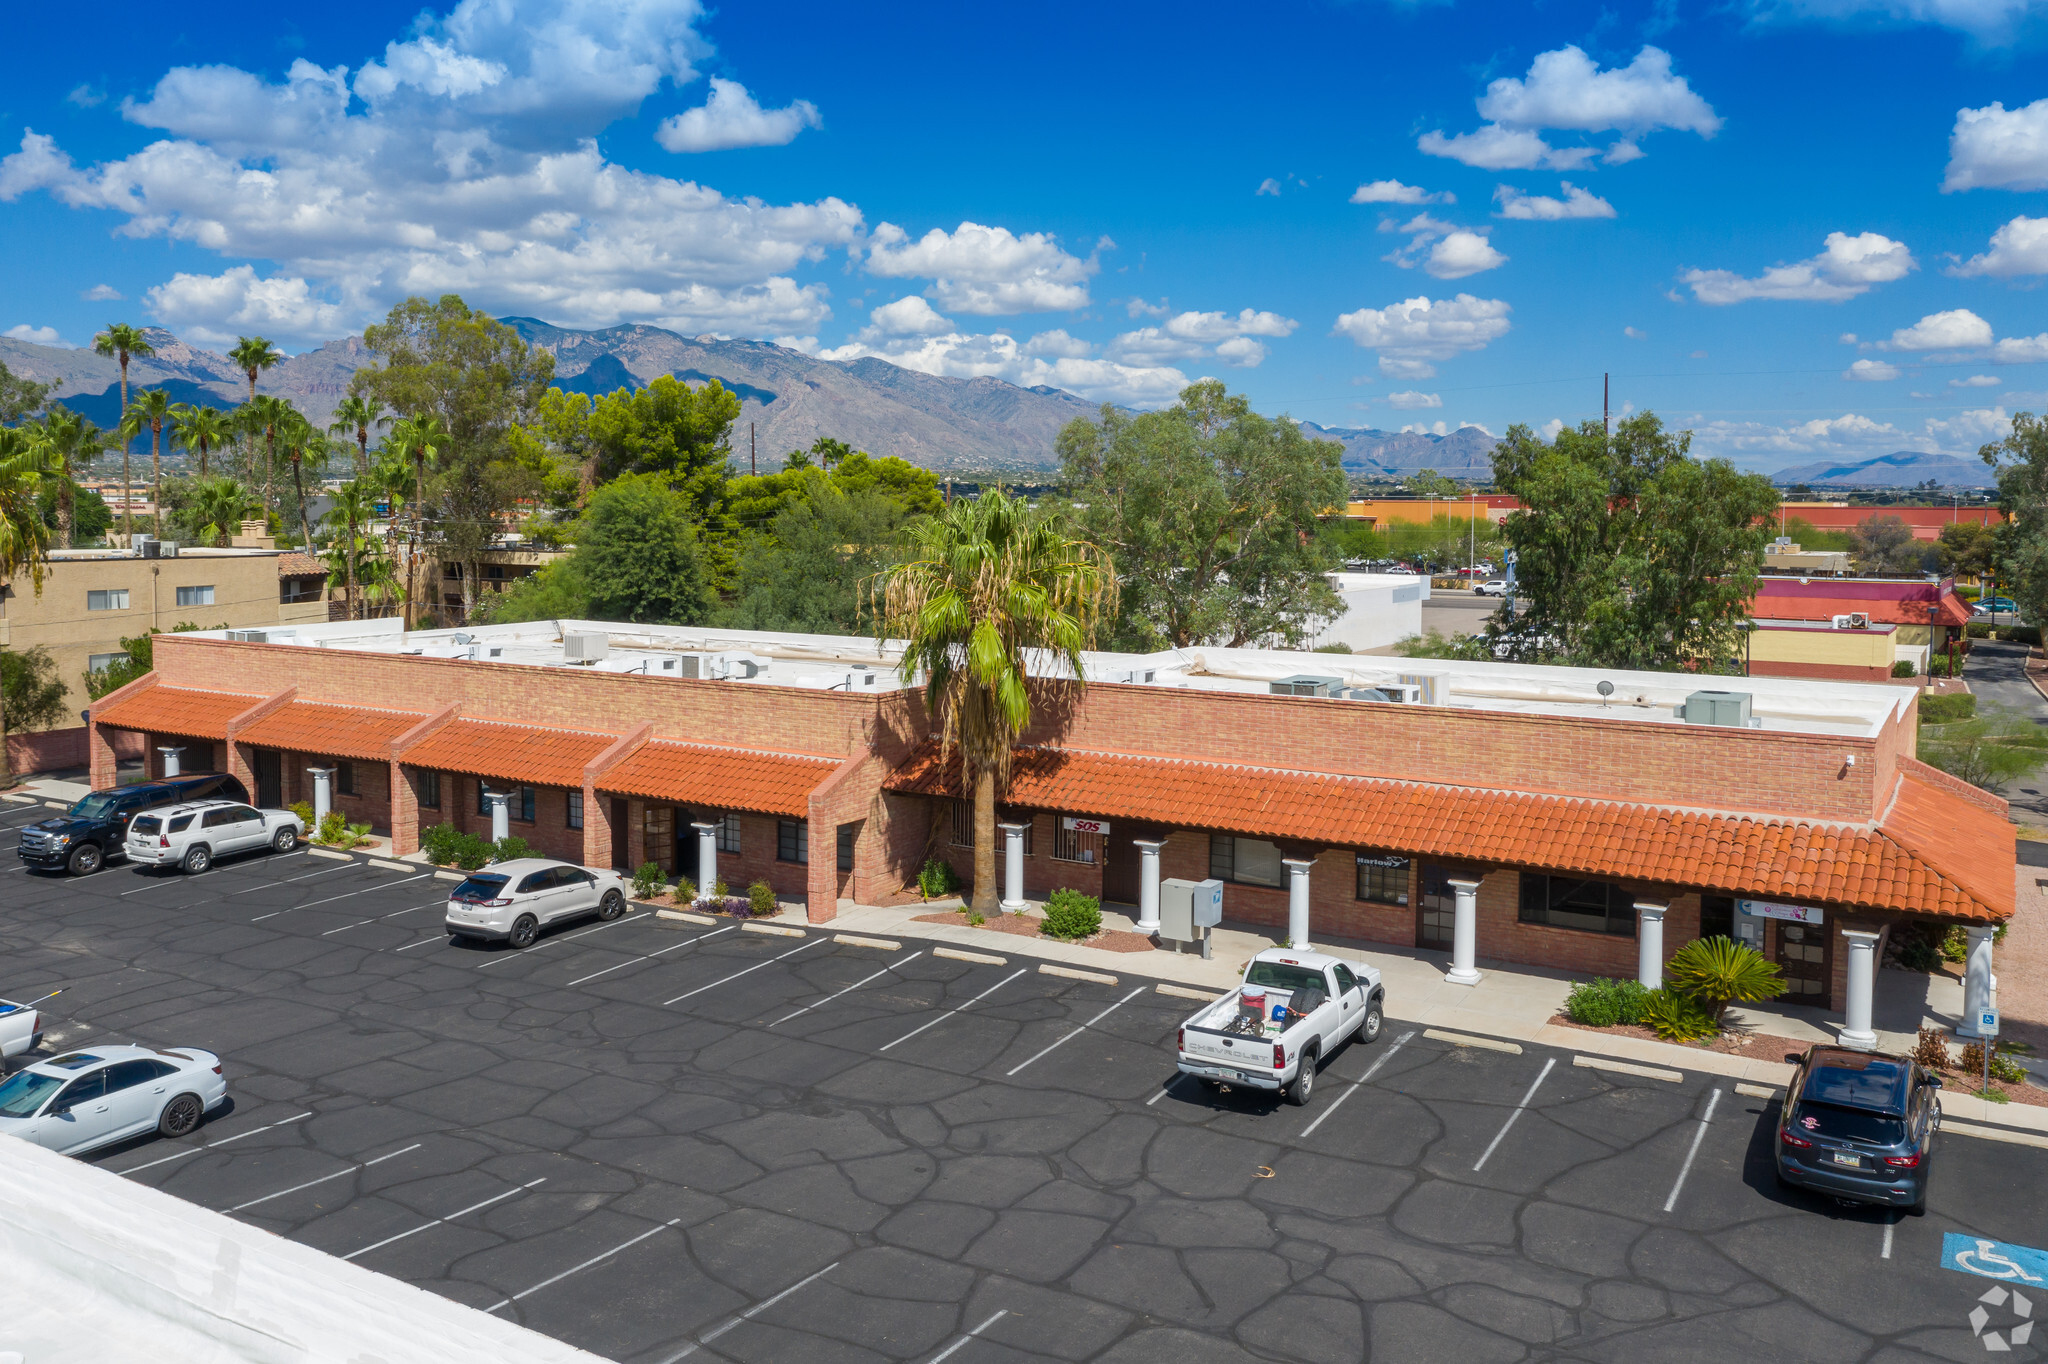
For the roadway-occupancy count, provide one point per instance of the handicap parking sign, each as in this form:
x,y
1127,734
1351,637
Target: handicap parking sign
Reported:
x,y
1994,1259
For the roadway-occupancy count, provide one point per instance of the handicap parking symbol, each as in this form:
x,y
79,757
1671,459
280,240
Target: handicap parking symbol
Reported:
x,y
1994,1259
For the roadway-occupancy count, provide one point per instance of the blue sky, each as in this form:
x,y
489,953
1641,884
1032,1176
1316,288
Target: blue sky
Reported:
x,y
1804,228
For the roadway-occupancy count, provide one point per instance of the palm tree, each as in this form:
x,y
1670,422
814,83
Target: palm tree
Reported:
x,y
419,439
201,431
74,443
24,539
267,414
254,354
354,416
302,443
122,341
353,507
983,582
150,410
218,506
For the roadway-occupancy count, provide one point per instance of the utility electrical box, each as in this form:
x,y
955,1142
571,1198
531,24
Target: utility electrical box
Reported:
x,y
1188,910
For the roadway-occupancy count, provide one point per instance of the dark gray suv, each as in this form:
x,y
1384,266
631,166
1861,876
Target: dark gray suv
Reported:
x,y
1859,1125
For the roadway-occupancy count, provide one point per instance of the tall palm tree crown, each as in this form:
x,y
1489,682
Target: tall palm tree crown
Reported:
x,y
984,582
254,354
24,539
74,443
123,341
420,439
149,412
218,506
201,431
354,416
268,415
303,443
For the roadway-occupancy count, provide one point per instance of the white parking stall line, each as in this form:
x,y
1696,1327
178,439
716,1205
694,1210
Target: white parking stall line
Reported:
x,y
324,1179
567,937
737,974
497,1198
291,880
687,942
1889,1223
345,895
1490,1146
1697,1137
958,1008
195,1150
1078,1031
438,937
382,917
947,1353
1167,1089
593,1260
851,988
1363,1080
747,1315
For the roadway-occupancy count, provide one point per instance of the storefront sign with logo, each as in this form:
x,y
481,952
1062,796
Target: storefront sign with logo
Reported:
x,y
1765,909
1084,826
1381,860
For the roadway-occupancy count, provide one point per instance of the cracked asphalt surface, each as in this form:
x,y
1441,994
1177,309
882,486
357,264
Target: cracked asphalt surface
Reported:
x,y
657,1140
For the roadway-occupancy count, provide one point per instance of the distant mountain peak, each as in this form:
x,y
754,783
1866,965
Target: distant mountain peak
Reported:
x,y
1900,468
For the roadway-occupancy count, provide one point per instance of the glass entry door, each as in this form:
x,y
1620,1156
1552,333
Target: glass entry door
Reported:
x,y
1803,955
1437,911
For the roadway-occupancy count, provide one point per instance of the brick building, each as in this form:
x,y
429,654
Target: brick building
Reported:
x,y
1516,813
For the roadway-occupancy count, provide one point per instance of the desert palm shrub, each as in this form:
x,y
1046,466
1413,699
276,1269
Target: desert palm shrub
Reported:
x,y
1715,972
1677,1018
1071,915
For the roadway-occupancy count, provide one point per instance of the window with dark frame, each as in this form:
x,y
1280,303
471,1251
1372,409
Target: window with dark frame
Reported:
x,y
345,777
963,823
483,805
1717,916
575,809
1576,902
1383,878
522,805
729,832
848,835
792,840
1247,861
428,784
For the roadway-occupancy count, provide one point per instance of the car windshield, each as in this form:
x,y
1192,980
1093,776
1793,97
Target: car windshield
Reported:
x,y
94,806
1281,976
1847,1124
480,888
25,1092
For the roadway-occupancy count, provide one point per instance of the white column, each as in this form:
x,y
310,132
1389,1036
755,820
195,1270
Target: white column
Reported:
x,y
1013,868
707,858
170,760
1148,884
1856,1029
1465,934
323,800
1297,901
1978,981
1650,942
501,815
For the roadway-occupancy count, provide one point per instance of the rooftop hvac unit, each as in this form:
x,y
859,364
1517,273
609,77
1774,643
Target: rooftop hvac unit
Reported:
x,y
1307,684
585,647
1428,687
249,636
148,547
1401,692
1131,675
1716,708
1854,620
735,665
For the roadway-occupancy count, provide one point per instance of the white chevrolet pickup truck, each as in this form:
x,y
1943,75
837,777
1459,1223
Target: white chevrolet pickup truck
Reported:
x,y
21,1028
1293,1009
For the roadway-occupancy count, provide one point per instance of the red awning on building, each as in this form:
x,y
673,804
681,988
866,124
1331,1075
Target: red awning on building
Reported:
x,y
530,754
343,731
722,778
176,710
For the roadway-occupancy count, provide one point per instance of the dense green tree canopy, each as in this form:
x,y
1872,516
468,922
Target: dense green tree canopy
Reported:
x,y
808,570
1630,553
1884,547
754,501
1210,512
2022,463
639,554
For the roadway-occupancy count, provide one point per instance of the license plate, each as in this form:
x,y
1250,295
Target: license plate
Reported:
x,y
1843,1158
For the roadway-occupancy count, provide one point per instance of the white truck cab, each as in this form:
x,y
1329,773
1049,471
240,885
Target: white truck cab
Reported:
x,y
1293,1009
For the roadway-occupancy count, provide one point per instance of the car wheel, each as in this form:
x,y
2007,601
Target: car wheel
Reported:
x,y
611,906
85,859
1303,1085
525,929
180,1115
1369,1030
197,859
285,839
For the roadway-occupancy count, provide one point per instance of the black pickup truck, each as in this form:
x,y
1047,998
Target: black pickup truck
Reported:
x,y
85,837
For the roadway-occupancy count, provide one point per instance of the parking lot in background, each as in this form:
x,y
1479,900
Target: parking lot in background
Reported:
x,y
659,1140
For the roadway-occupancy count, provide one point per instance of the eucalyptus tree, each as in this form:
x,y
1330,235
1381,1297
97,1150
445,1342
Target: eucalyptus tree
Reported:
x,y
123,342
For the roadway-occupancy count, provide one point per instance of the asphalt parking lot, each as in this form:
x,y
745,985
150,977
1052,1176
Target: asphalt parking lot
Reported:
x,y
659,1140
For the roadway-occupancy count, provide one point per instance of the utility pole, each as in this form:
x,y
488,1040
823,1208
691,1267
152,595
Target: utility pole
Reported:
x,y
1605,427
752,466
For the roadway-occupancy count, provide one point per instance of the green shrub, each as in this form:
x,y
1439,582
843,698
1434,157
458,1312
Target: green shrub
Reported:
x,y
1071,915
2004,1068
1714,972
471,852
1903,667
1947,708
303,810
2022,634
1978,629
1916,953
1605,1003
686,891
1677,1018
358,834
438,843
761,900
720,889
1955,944
648,880
510,848
937,879
333,827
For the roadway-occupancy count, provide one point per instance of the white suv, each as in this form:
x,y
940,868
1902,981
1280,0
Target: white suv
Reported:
x,y
512,900
1492,587
194,836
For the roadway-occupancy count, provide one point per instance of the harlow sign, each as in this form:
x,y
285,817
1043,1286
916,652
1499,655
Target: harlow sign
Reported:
x,y
1766,909
1084,826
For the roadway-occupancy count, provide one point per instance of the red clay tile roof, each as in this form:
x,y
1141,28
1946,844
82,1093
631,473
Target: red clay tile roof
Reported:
x,y
724,778
176,710
344,731
294,564
1883,867
509,752
1908,605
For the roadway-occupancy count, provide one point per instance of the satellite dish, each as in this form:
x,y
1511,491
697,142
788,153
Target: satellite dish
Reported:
x,y
1606,689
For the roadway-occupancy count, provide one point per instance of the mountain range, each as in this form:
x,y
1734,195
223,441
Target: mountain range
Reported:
x,y
1899,469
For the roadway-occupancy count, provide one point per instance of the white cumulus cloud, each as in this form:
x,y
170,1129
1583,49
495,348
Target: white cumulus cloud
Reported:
x,y
215,309
1048,358
1956,329
1566,90
1999,148
1872,371
2018,248
731,118
984,270
1267,186
2021,350
910,316
1394,192
40,336
1576,203
1409,335
1462,253
1846,267
102,293
1976,381
1411,401
1194,335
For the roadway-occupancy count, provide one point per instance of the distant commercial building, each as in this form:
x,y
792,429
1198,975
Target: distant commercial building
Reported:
x,y
1784,555
1382,512
1482,810
1926,522
1380,610
1922,618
